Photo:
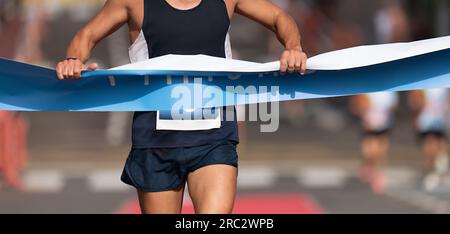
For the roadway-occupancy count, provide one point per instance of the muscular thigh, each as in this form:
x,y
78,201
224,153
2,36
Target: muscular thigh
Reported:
x,y
168,202
213,189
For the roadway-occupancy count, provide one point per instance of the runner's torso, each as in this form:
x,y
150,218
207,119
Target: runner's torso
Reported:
x,y
165,29
137,13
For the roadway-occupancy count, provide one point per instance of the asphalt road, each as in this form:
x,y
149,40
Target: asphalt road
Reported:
x,y
312,162
262,189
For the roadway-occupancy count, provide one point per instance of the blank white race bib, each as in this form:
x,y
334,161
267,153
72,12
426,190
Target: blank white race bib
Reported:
x,y
164,122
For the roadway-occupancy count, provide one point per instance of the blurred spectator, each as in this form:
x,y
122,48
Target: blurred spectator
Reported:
x,y
10,22
443,18
322,30
431,107
13,148
47,16
392,23
422,20
376,110
13,136
32,33
431,111
53,24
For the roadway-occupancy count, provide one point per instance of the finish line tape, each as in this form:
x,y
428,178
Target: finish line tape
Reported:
x,y
203,81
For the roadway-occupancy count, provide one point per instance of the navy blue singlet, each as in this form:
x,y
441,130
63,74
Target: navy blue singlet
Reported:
x,y
167,30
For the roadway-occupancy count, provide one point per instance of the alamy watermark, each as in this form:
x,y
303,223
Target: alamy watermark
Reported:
x,y
199,102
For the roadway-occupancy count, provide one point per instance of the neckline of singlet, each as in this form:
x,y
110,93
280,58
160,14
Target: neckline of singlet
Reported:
x,y
183,10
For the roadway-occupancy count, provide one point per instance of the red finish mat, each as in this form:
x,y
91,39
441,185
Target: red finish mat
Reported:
x,y
252,204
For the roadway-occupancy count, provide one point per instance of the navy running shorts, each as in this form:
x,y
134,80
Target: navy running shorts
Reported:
x,y
166,169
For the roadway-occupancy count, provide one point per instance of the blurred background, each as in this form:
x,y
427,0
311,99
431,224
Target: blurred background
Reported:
x,y
365,154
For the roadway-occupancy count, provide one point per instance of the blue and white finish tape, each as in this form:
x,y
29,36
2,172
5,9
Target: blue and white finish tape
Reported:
x,y
158,84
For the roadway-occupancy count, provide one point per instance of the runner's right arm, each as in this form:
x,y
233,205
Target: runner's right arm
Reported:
x,y
114,14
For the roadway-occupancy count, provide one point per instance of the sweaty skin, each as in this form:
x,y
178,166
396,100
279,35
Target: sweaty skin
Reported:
x,y
117,13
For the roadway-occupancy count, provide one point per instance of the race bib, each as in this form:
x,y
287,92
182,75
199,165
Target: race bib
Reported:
x,y
189,120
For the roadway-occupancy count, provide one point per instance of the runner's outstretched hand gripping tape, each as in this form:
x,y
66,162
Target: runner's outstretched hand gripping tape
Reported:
x,y
161,83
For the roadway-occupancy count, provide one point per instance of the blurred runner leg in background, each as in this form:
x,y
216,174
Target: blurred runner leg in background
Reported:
x,y
431,108
376,112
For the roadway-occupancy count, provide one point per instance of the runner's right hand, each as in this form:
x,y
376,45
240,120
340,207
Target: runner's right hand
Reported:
x,y
70,69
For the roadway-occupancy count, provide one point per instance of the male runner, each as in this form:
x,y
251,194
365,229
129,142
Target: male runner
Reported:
x,y
162,161
431,111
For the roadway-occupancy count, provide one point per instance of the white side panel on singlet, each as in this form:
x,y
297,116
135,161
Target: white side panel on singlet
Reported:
x,y
228,50
138,51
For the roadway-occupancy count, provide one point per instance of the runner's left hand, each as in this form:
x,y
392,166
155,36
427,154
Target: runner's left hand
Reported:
x,y
293,60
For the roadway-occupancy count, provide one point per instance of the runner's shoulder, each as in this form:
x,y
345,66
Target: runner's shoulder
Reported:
x,y
133,6
128,4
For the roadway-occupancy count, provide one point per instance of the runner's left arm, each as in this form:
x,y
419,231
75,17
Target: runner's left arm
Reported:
x,y
293,59
110,18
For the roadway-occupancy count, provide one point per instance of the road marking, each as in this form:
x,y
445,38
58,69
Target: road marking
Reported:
x,y
421,200
44,181
402,186
106,181
251,177
322,177
401,177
